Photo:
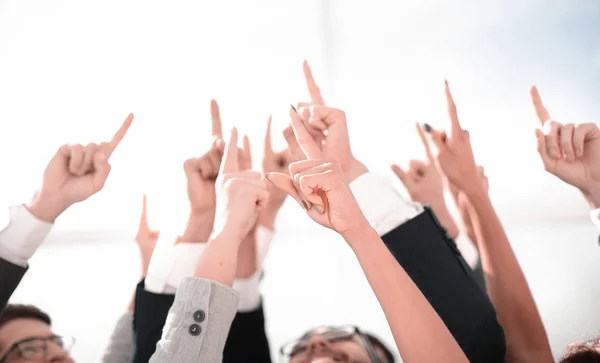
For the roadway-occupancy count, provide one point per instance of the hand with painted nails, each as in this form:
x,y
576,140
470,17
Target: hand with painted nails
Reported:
x,y
241,195
453,152
75,173
328,128
319,185
569,151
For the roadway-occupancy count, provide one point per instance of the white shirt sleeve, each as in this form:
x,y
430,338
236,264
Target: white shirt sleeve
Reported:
x,y
21,235
171,264
382,205
467,249
595,216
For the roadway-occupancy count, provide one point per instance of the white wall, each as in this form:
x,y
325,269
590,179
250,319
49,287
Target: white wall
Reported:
x,y
312,278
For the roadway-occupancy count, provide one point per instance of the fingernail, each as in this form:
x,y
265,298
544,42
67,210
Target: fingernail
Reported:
x,y
446,82
267,177
294,108
305,205
426,127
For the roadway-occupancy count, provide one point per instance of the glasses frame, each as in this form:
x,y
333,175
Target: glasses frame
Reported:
x,y
52,338
356,331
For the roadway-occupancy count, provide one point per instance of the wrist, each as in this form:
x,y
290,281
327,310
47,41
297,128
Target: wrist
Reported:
x,y
356,235
227,236
198,228
354,169
46,208
268,216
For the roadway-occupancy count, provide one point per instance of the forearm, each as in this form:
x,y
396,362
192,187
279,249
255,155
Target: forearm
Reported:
x,y
246,263
198,228
526,338
219,260
415,325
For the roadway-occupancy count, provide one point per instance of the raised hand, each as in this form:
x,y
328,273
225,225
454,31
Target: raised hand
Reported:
x,y
201,173
274,161
453,152
319,185
240,196
422,180
145,238
569,151
75,173
328,127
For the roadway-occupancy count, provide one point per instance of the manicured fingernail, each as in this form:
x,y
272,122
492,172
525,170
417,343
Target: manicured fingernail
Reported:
x,y
426,127
305,205
294,108
446,81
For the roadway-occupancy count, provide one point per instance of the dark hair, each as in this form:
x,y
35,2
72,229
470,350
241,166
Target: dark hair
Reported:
x,y
18,311
378,344
583,353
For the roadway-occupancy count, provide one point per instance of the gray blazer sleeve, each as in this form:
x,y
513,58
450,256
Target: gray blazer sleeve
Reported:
x,y
198,323
120,346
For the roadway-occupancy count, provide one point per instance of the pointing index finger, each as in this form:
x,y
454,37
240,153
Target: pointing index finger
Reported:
x,y
313,89
306,142
120,134
541,111
230,159
215,115
452,113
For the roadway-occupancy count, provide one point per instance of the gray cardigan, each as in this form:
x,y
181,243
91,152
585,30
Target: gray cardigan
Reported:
x,y
198,323
195,331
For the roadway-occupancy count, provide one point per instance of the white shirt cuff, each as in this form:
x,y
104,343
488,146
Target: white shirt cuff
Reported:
x,y
382,205
595,216
171,264
467,249
21,235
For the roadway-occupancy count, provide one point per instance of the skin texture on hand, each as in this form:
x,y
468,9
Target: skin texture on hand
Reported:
x,y
569,151
75,173
328,128
319,186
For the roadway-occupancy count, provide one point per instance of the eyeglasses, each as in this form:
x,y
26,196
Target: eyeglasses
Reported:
x,y
331,334
37,348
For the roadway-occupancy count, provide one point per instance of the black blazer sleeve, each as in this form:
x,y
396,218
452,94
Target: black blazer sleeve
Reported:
x,y
436,266
10,277
246,342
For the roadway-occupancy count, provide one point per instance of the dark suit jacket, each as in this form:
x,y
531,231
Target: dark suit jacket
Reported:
x,y
246,342
10,277
430,258
434,263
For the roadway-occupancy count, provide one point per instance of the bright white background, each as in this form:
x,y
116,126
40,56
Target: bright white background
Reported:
x,y
70,71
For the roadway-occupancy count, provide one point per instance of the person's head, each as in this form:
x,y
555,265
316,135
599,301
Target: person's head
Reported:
x,y
588,352
337,344
26,336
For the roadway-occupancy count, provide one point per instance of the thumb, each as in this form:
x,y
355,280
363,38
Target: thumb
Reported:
x,y
285,183
102,169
